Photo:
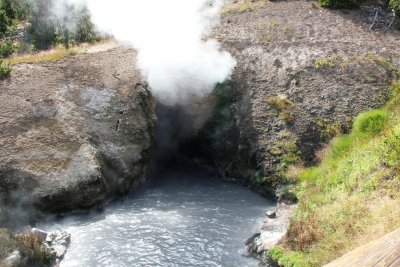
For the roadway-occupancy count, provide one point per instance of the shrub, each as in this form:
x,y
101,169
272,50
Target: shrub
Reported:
x,y
6,48
395,4
31,247
5,69
4,22
85,30
21,9
8,7
340,3
370,123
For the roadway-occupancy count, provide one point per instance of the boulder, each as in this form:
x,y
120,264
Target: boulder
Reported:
x,y
71,134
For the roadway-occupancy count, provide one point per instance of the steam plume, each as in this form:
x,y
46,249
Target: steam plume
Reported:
x,y
173,54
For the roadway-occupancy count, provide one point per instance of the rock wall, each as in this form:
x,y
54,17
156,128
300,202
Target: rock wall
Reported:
x,y
303,73
75,132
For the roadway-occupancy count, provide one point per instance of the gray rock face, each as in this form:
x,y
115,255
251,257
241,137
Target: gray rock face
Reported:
x,y
58,243
71,134
297,65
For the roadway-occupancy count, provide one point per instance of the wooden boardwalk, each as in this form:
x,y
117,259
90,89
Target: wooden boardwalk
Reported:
x,y
384,252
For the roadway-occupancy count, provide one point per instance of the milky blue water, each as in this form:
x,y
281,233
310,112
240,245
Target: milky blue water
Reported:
x,y
185,218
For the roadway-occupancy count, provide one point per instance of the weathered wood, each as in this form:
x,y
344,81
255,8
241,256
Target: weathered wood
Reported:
x,y
383,252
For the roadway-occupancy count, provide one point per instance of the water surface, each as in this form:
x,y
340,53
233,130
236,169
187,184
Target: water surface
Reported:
x,y
184,219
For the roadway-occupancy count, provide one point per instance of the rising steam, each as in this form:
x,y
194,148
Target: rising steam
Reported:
x,y
170,36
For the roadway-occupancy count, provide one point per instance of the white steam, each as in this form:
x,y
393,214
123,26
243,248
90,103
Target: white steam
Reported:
x,y
170,36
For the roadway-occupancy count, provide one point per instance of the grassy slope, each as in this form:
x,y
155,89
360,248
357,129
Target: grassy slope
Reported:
x,y
352,196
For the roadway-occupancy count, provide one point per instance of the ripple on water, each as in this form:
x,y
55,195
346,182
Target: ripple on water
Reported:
x,y
185,220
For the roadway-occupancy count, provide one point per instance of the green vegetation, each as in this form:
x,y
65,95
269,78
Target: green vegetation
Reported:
x,y
5,69
290,259
327,63
340,3
395,4
29,26
352,196
288,155
282,104
6,48
30,246
329,130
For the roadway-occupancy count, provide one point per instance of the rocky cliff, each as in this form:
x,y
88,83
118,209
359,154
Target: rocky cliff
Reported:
x,y
303,73
73,132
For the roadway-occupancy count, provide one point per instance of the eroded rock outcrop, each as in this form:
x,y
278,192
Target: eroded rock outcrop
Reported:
x,y
73,132
302,72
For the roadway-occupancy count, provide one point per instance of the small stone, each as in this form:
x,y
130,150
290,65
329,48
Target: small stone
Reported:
x,y
271,214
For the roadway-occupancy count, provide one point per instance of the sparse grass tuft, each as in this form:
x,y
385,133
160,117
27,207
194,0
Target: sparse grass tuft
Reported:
x,y
30,246
282,104
327,63
243,6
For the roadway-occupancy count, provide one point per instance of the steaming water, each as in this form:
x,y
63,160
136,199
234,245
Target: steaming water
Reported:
x,y
183,219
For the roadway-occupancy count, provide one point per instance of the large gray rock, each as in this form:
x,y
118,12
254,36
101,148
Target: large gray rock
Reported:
x,y
71,134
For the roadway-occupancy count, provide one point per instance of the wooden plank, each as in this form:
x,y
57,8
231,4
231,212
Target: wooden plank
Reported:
x,y
383,252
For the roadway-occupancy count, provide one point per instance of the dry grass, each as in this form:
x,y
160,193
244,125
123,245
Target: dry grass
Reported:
x,y
242,6
54,54
30,245
282,104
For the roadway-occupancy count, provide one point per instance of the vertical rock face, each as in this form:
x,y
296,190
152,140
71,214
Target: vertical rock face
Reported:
x,y
74,132
302,71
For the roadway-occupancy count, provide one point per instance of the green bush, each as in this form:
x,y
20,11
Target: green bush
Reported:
x,y
8,7
340,3
4,22
395,4
5,70
370,123
287,259
85,31
6,48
